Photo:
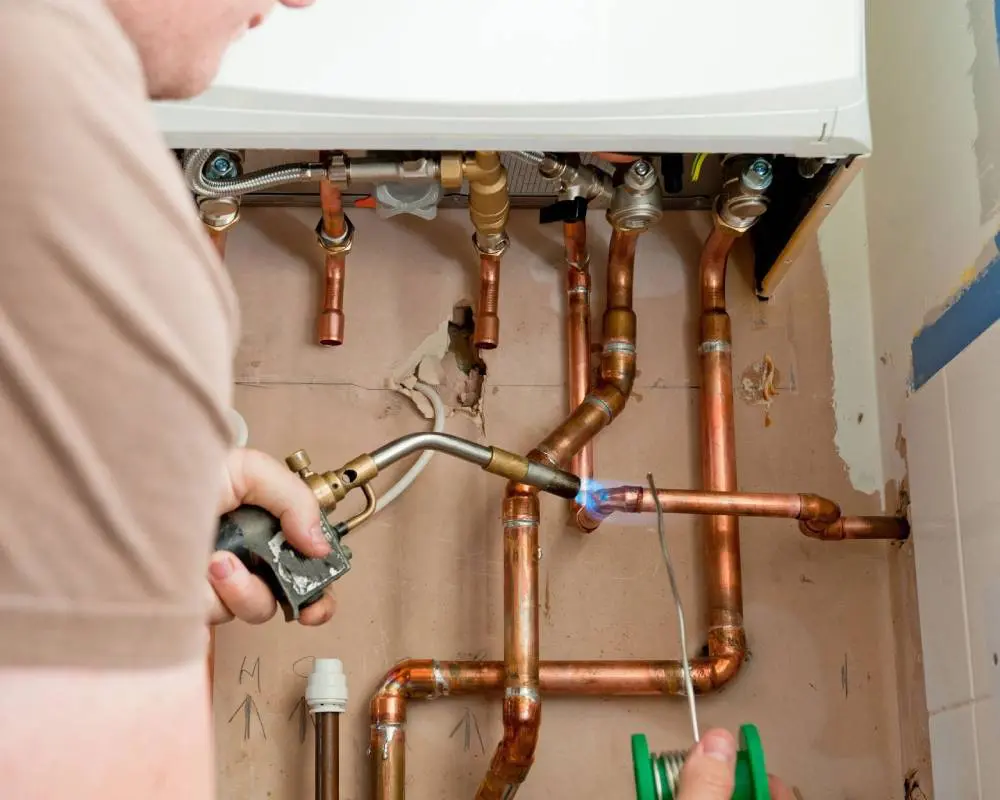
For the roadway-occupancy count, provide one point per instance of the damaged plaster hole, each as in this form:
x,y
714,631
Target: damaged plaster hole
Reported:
x,y
758,385
463,371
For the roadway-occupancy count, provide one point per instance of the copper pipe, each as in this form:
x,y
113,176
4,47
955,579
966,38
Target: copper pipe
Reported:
x,y
327,756
617,372
578,335
820,517
638,499
330,323
726,636
487,332
896,528
426,680
617,158
522,708
218,238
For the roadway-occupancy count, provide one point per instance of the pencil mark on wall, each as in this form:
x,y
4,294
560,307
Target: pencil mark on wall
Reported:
x,y
252,673
844,678
250,711
467,724
303,666
304,717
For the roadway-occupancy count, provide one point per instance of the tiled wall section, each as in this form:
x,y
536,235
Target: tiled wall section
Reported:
x,y
953,447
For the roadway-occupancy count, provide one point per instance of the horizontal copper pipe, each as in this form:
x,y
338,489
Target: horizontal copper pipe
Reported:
x,y
487,332
617,158
578,336
637,499
426,680
895,528
330,323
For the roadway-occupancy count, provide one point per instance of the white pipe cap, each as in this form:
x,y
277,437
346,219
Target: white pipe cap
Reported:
x,y
326,691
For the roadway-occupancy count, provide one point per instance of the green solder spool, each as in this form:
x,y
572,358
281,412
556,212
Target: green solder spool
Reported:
x,y
657,774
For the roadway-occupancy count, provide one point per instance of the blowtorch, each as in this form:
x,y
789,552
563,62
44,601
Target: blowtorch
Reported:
x,y
254,535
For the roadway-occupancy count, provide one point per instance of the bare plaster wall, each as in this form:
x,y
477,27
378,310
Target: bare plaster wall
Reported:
x,y
427,577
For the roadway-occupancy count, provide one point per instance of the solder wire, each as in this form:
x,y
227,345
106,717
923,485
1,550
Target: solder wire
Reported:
x,y
685,662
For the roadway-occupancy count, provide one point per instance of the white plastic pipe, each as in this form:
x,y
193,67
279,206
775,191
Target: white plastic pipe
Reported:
x,y
411,474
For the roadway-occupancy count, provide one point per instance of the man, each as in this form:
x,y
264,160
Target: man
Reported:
x,y
117,330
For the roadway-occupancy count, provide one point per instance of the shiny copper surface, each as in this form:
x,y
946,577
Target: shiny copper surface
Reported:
x,y
487,332
425,679
218,240
327,776
578,333
330,323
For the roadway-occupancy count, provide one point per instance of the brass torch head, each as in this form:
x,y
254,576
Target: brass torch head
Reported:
x,y
328,487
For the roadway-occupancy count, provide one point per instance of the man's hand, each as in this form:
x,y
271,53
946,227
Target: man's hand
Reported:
x,y
255,478
709,772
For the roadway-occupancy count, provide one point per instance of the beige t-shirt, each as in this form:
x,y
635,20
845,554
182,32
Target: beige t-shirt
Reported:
x,y
117,328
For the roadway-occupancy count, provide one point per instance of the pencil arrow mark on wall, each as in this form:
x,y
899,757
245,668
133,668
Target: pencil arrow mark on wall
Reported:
x,y
467,724
304,716
249,709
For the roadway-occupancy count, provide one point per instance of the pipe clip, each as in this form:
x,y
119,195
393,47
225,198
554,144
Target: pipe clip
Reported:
x,y
599,403
336,246
715,346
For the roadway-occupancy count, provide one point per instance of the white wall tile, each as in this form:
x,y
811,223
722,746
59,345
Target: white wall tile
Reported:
x,y
940,587
953,754
973,391
987,719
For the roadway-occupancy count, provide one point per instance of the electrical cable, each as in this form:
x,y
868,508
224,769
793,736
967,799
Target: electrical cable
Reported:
x,y
411,474
685,662
696,165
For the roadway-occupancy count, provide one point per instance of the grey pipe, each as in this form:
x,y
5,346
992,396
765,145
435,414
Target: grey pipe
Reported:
x,y
203,186
441,442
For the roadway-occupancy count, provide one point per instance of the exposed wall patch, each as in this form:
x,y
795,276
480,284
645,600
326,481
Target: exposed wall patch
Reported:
x,y
843,242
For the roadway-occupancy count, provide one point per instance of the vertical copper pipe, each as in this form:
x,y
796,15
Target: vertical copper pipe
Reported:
x,y
487,332
330,323
327,756
726,637
522,710
578,335
218,239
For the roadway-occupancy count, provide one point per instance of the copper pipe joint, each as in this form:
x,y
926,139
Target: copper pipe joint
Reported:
x,y
714,257
487,333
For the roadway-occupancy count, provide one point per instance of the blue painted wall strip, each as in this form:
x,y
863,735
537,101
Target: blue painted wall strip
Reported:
x,y
970,313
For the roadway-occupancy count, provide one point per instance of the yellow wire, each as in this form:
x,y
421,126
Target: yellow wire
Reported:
x,y
696,166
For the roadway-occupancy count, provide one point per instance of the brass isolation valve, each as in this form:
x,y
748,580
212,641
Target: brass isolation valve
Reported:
x,y
254,535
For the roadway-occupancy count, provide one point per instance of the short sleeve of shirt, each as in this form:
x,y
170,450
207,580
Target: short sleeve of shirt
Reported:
x,y
117,328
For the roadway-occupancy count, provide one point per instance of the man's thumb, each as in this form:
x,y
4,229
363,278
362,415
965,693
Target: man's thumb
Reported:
x,y
709,772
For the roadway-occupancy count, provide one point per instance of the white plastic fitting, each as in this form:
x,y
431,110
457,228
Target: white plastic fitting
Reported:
x,y
326,691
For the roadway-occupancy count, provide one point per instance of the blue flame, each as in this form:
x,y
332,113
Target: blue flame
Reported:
x,y
592,493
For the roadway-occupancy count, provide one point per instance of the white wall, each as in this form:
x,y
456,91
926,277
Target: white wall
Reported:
x,y
929,194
